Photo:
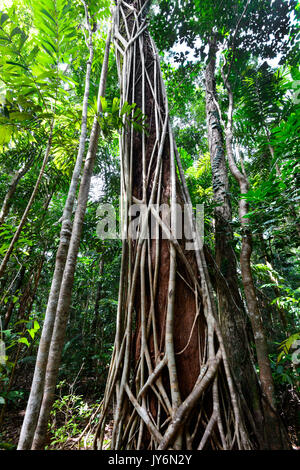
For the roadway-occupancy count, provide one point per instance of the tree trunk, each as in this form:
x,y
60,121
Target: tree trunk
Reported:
x,y
64,300
12,189
28,297
232,316
36,392
169,377
28,207
96,324
275,433
9,311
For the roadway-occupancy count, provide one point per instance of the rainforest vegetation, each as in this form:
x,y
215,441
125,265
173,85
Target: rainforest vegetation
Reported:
x,y
154,338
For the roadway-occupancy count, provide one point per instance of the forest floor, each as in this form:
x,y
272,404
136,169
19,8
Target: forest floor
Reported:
x,y
72,413
12,426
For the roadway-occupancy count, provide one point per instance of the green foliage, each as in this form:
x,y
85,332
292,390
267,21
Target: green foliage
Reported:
x,y
12,337
70,414
286,345
284,374
267,28
114,117
42,73
286,369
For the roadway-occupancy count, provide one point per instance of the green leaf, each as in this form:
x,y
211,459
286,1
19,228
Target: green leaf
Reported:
x,y
31,331
16,115
5,134
4,17
15,31
45,12
103,104
48,52
24,340
116,104
16,63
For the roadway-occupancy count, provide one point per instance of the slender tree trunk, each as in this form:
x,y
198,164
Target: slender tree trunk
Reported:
x,y
64,299
96,324
22,272
96,319
12,189
19,282
169,377
274,430
97,327
232,316
36,393
28,207
231,310
27,300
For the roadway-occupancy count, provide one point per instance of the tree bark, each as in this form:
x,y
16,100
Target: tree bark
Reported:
x,y
28,297
64,299
12,189
36,393
232,315
275,433
96,324
29,205
18,285
169,377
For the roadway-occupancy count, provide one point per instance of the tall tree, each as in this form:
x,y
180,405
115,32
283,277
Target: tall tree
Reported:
x,y
230,305
38,410
170,379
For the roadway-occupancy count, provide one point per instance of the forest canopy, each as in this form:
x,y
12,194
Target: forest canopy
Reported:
x,y
149,225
